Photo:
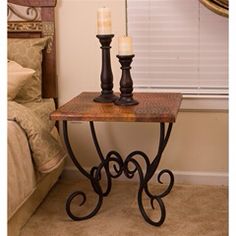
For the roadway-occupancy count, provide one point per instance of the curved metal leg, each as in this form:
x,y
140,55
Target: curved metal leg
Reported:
x,y
93,178
150,172
104,163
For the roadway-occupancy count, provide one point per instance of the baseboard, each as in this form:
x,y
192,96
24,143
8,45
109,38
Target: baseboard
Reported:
x,y
181,177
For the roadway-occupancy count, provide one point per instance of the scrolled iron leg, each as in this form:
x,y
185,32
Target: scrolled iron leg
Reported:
x,y
104,163
149,173
94,178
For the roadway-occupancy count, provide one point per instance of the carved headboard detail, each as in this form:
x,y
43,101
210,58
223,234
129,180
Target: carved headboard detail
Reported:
x,y
36,18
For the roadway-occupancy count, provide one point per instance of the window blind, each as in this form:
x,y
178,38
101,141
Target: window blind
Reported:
x,y
179,45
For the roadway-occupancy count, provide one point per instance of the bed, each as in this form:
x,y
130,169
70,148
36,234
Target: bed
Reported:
x,y
35,154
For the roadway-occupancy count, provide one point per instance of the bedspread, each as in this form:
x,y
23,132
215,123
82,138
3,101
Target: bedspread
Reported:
x,y
47,153
21,174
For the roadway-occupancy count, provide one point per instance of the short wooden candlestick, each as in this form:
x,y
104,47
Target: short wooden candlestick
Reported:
x,y
106,76
126,83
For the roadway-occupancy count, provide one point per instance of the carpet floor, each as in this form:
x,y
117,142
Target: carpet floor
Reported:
x,y
191,210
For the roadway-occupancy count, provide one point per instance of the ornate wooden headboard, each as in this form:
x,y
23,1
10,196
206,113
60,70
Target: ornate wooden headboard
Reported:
x,y
36,18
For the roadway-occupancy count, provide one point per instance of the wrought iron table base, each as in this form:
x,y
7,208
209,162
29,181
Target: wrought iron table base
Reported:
x,y
129,167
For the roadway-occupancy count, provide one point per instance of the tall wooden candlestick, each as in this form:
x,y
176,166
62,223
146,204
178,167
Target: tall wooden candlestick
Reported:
x,y
126,83
106,73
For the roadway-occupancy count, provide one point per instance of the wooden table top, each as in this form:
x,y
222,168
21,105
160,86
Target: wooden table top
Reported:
x,y
152,107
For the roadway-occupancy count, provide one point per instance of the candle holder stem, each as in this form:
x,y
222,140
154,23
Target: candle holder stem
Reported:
x,y
106,77
126,83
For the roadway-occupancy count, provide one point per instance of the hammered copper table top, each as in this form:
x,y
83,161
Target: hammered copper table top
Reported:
x,y
152,107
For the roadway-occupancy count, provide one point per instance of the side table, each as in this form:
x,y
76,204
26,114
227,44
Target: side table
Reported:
x,y
161,108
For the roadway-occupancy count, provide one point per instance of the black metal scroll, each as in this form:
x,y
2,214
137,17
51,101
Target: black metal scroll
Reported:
x,y
129,166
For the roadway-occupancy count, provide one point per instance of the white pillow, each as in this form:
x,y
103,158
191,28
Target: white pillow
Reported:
x,y
17,78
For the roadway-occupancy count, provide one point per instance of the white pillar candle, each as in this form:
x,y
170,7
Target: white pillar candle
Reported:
x,y
104,21
125,46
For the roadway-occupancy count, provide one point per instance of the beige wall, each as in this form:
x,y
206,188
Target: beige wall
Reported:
x,y
199,139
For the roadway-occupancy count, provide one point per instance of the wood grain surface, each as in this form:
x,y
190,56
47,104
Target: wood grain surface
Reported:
x,y
152,107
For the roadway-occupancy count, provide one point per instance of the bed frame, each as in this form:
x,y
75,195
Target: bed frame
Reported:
x,y
33,19
37,19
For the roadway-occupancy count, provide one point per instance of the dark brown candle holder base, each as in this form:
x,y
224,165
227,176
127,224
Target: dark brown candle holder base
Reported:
x,y
106,77
126,83
105,98
126,101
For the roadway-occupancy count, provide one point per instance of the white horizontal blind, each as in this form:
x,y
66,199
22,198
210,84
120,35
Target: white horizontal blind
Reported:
x,y
179,45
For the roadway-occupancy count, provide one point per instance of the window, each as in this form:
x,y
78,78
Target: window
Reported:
x,y
179,46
